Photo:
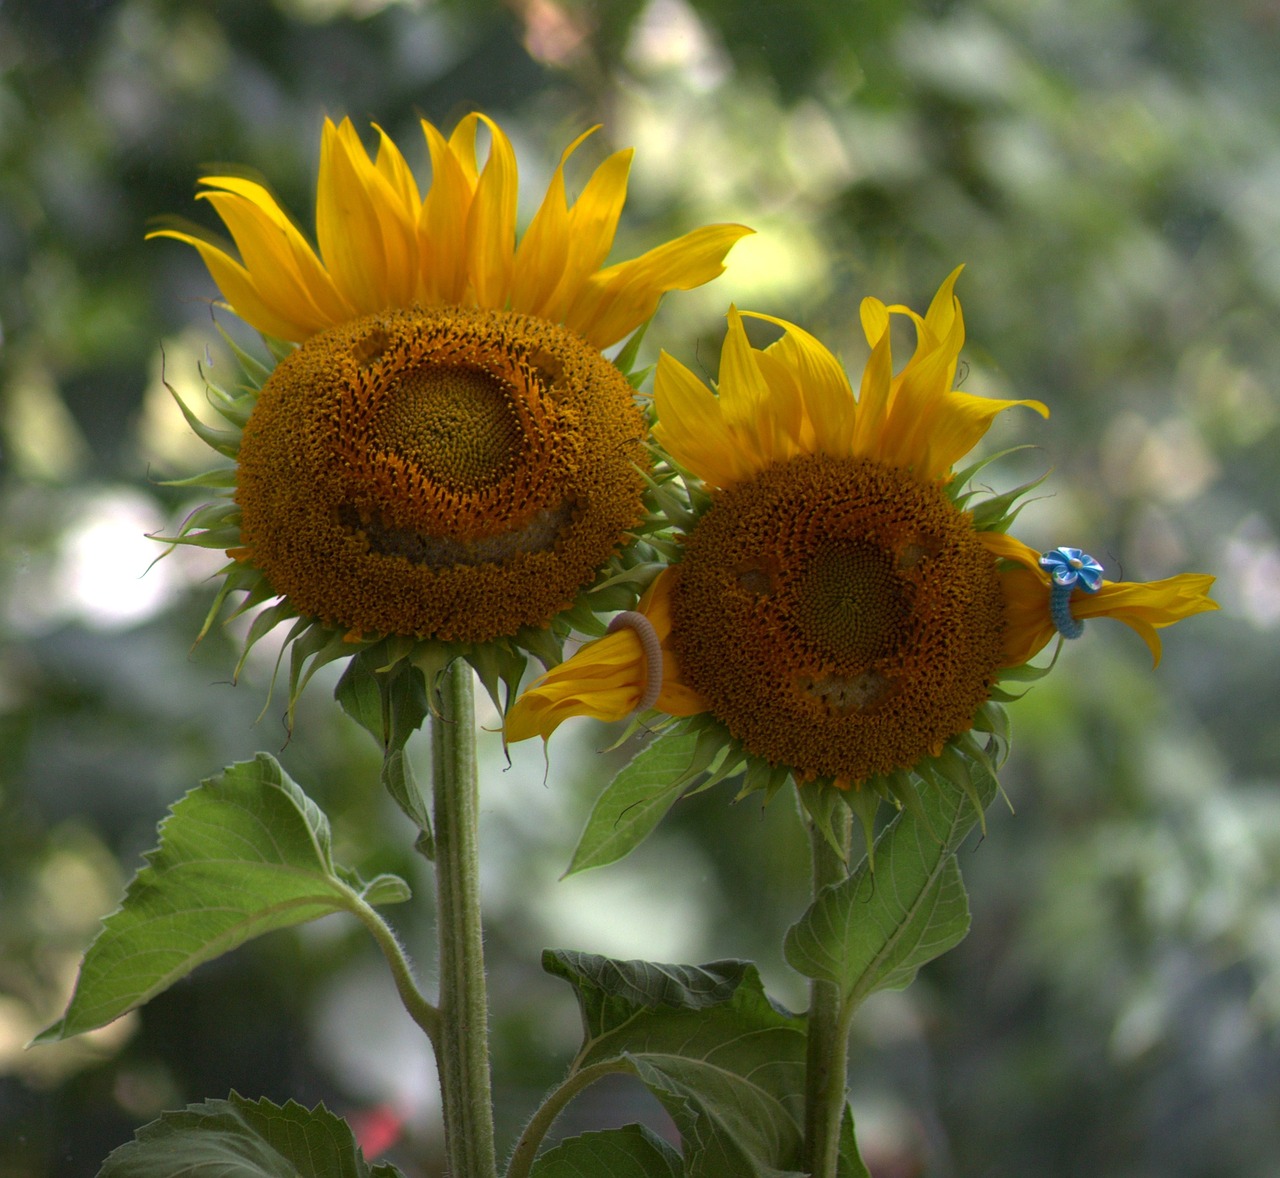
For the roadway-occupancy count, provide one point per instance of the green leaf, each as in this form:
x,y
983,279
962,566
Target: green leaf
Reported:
x,y
849,1163
873,931
390,703
245,853
250,1139
635,801
725,1062
630,1152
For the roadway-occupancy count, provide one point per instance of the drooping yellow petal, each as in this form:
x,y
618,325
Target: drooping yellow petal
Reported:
x,y
491,227
606,678
1143,606
617,300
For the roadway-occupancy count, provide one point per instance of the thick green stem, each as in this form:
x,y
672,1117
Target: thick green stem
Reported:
x,y
462,1047
827,1054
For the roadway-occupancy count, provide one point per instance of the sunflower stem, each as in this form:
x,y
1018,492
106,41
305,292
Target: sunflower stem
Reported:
x,y
462,1047
827,1050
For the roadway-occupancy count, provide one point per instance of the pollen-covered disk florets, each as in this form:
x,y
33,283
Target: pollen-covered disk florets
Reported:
x,y
844,605
446,465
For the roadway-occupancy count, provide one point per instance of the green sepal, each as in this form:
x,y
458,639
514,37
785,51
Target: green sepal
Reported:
x,y
390,703
1029,672
279,348
255,371
626,358
632,1151
311,646
997,513
225,442
247,1138
223,478
865,804
955,488
245,853
821,802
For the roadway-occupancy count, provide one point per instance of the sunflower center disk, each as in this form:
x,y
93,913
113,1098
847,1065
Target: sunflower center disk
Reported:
x,y
449,472
840,617
850,602
456,425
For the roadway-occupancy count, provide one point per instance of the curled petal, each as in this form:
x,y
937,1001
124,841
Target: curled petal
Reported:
x,y
617,300
1145,607
606,679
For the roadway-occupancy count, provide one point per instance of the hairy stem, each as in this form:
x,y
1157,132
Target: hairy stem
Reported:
x,y
526,1149
411,998
462,1046
827,1054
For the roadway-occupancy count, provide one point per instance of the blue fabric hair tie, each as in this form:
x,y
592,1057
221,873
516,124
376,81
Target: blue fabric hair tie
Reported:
x,y
1069,569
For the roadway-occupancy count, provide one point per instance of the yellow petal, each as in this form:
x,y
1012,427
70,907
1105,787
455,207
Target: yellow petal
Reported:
x,y
395,170
239,290
442,224
593,222
691,428
826,402
287,275
606,678
872,410
1143,606
617,300
491,226
1148,606
959,422
367,233
543,252
603,680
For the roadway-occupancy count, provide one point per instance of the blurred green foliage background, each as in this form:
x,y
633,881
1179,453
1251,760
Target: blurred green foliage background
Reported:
x,y
1109,170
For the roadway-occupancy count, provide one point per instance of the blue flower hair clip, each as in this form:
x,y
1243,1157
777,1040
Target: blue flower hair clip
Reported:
x,y
1069,569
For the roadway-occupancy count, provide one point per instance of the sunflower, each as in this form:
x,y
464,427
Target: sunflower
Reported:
x,y
843,608
445,461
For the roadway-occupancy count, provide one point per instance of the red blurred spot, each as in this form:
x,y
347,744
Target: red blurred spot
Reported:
x,y
377,1129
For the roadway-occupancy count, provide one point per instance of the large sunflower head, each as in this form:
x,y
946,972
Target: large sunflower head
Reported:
x,y
843,608
445,463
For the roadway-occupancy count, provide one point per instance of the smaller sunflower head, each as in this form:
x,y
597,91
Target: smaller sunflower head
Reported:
x,y
446,464
844,608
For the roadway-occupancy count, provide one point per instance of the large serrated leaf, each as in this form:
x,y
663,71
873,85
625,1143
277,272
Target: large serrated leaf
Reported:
x,y
873,930
730,1126
245,853
725,1061
250,1139
635,801
629,1152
